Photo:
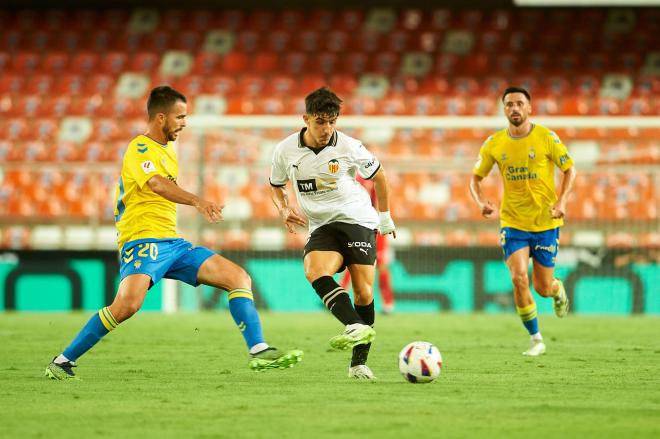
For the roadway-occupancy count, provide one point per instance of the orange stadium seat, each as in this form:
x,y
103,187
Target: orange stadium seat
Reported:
x,y
144,61
266,62
39,84
234,62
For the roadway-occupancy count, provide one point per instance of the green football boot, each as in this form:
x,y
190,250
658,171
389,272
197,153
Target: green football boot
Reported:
x,y
273,358
353,335
61,371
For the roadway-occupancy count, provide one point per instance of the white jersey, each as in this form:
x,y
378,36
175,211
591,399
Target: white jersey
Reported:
x,y
324,179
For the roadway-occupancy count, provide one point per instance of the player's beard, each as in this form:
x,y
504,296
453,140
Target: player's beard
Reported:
x,y
169,133
518,122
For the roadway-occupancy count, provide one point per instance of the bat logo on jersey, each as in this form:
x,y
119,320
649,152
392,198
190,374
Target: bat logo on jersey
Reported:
x,y
306,185
333,166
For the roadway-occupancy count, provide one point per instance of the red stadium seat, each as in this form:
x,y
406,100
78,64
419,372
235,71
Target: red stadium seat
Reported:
x,y
158,41
11,84
280,85
296,63
25,62
279,41
291,20
325,62
398,41
265,62
70,85
353,63
343,84
83,62
384,62
206,63
144,61
234,62
112,63
321,19
336,41
219,84
54,62
308,41
349,20
251,85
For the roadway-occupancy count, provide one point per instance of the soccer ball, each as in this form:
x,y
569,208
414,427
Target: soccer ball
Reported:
x,y
420,362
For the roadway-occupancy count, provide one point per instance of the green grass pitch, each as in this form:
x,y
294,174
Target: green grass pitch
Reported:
x,y
185,376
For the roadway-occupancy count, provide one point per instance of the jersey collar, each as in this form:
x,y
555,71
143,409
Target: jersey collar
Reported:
x,y
157,143
508,133
301,142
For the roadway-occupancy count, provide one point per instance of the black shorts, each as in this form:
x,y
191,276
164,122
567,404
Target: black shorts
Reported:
x,y
356,243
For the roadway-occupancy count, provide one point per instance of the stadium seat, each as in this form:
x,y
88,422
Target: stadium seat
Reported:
x,y
218,42
39,84
233,63
265,62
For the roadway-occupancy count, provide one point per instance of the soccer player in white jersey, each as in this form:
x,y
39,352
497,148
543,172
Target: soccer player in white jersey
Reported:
x,y
322,164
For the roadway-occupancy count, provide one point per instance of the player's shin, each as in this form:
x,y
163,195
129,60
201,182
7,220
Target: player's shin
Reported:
x,y
336,300
361,352
242,309
96,327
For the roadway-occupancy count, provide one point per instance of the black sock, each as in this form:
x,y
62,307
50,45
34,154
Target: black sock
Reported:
x,y
361,351
336,300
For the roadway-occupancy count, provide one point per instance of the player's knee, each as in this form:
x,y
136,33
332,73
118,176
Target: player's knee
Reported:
x,y
312,274
542,286
520,280
241,279
363,296
125,309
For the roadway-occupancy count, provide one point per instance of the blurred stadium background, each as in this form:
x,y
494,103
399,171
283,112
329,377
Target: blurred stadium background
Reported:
x,y
421,82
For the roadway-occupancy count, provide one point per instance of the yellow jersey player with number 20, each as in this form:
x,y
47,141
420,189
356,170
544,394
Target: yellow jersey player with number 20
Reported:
x,y
150,249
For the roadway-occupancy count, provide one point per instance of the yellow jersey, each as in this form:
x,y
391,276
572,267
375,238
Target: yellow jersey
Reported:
x,y
139,212
527,165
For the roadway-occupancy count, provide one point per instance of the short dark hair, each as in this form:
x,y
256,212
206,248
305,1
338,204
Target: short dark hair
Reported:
x,y
322,101
516,90
161,100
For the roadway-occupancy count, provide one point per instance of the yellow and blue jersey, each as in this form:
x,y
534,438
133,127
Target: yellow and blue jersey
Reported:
x,y
139,212
527,165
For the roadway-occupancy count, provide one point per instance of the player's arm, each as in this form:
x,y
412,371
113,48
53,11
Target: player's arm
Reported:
x,y
485,205
288,214
479,172
568,179
382,189
170,191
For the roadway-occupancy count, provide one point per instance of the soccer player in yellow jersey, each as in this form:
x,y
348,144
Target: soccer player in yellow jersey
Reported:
x,y
531,212
150,249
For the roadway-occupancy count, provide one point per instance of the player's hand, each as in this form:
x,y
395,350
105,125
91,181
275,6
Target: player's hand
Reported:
x,y
487,209
558,210
386,225
292,218
211,211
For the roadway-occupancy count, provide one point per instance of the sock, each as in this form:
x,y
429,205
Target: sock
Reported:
x,y
385,287
554,289
242,309
336,300
528,316
361,351
258,348
97,326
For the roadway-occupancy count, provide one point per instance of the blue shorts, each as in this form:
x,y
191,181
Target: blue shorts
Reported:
x,y
543,246
172,258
